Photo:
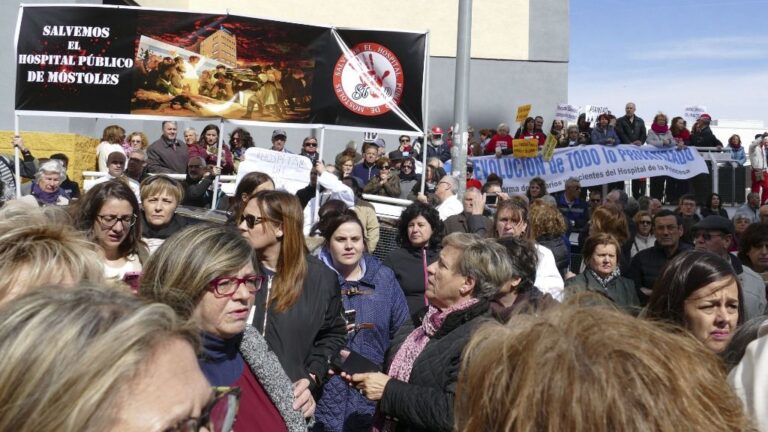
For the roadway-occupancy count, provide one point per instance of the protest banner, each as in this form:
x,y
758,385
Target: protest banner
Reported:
x,y
522,113
525,148
593,165
549,147
693,112
567,113
289,171
131,62
593,112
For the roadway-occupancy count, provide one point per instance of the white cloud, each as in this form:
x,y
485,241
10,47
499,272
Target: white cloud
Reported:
x,y
709,48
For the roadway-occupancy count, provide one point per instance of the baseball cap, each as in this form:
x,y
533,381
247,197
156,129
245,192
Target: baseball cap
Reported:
x,y
379,142
279,132
395,155
116,157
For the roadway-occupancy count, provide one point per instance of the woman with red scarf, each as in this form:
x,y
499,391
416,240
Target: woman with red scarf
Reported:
x,y
660,136
676,188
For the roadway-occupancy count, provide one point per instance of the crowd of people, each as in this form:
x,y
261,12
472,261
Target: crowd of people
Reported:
x,y
281,318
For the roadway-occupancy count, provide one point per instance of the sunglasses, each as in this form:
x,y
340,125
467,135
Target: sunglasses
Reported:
x,y
310,144
406,166
251,220
405,140
644,222
385,167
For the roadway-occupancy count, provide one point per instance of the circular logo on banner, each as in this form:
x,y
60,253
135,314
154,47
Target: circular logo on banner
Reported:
x,y
368,82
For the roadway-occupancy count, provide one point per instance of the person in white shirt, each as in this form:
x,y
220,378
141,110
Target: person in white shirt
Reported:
x,y
330,188
446,191
111,141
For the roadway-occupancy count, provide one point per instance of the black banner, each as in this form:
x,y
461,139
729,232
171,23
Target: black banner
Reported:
x,y
133,61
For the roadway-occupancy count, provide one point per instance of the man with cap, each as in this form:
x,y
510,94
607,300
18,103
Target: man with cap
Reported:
x,y
714,234
116,170
702,135
396,159
278,141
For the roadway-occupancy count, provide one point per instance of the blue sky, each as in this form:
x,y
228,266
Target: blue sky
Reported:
x,y
664,55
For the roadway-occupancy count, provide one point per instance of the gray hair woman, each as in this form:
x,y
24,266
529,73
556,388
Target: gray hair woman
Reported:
x,y
46,187
418,390
91,358
218,295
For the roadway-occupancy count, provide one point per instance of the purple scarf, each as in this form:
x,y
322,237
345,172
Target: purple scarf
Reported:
x,y
661,130
47,198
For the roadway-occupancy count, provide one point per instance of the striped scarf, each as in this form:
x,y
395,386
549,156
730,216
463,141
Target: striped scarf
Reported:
x,y
8,178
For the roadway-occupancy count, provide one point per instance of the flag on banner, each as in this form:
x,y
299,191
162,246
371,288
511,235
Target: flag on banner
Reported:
x,y
525,148
136,61
549,147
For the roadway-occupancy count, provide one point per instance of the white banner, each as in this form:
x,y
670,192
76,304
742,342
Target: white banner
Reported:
x,y
567,113
693,112
593,112
289,171
593,165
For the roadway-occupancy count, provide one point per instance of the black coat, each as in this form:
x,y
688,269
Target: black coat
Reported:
x,y
631,131
425,402
312,331
408,265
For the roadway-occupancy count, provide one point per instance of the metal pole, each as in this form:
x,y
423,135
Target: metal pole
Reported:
x,y
461,94
215,201
425,102
17,155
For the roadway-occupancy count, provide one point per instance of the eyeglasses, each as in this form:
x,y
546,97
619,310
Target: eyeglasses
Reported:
x,y
252,220
109,221
218,414
644,222
706,235
310,144
226,286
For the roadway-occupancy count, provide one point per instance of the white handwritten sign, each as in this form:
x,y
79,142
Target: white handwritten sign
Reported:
x,y
593,112
566,112
289,171
693,112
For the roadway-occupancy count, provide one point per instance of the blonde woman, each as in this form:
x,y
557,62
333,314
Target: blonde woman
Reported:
x,y
218,296
94,359
37,251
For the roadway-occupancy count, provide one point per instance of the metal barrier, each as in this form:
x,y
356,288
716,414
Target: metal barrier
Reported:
x,y
227,182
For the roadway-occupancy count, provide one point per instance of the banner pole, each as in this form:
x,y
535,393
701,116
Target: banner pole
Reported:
x,y
425,99
316,208
16,155
218,164
461,96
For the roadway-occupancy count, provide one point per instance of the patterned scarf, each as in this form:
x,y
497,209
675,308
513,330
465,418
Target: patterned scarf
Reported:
x,y
414,344
8,178
605,281
402,364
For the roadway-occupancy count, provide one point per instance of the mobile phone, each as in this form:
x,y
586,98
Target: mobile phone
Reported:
x,y
350,315
132,280
353,363
491,199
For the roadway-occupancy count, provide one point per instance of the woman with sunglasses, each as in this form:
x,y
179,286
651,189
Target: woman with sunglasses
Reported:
x,y
370,290
408,177
298,310
385,183
218,297
107,214
643,238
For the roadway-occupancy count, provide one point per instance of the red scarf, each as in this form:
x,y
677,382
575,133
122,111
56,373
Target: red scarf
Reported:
x,y
661,130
